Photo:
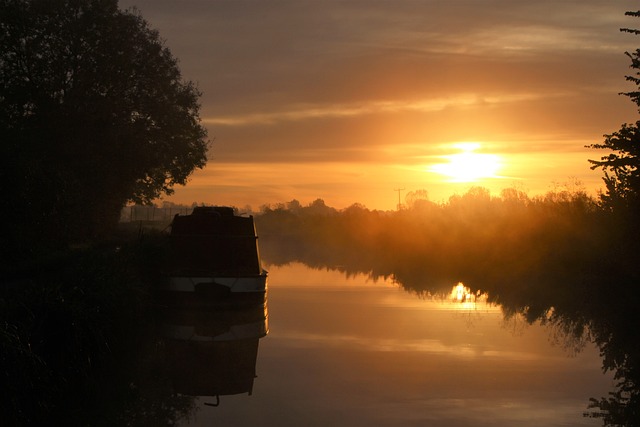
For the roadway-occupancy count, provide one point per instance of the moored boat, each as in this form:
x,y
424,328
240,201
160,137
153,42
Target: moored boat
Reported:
x,y
215,259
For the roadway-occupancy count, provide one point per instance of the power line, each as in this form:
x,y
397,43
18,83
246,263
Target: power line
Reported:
x,y
399,190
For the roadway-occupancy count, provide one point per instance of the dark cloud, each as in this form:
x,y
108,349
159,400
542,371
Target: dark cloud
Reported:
x,y
256,55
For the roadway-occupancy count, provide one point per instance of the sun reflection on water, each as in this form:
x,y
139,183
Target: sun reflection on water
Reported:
x,y
462,296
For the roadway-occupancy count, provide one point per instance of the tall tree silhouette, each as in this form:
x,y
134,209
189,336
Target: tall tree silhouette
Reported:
x,y
93,113
622,167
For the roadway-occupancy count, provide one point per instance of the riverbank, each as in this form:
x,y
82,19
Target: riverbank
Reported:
x,y
69,323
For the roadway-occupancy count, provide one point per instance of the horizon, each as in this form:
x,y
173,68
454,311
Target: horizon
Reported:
x,y
570,188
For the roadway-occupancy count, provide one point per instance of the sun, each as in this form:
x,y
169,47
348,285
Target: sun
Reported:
x,y
468,166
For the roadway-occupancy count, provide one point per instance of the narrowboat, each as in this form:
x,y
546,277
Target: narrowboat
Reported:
x,y
214,259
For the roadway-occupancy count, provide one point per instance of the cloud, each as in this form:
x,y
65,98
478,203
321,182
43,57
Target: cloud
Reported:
x,y
248,53
307,112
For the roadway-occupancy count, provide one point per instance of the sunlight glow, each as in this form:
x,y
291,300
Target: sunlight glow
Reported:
x,y
468,166
462,295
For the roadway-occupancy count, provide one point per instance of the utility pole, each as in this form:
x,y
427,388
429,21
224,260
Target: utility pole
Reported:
x,y
399,190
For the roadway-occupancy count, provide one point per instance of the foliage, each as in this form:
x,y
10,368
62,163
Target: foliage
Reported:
x,y
93,113
622,167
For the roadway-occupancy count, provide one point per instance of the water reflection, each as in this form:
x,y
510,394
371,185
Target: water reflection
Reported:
x,y
213,352
356,351
465,297
589,309
359,352
183,361
575,312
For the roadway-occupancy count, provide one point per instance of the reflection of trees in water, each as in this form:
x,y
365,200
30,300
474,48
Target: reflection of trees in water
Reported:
x,y
557,260
612,324
515,324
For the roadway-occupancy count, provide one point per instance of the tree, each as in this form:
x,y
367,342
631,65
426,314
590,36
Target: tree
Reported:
x,y
94,113
413,199
622,167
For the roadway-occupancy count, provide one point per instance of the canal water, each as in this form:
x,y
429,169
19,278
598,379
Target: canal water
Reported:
x,y
350,351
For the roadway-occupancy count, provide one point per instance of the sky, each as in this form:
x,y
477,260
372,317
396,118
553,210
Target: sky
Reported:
x,y
355,101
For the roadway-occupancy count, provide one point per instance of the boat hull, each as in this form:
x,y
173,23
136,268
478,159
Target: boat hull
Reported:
x,y
203,291
240,284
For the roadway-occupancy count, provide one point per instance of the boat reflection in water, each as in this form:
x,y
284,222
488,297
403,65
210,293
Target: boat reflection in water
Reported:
x,y
213,352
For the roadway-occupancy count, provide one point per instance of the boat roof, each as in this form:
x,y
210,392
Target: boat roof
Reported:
x,y
213,210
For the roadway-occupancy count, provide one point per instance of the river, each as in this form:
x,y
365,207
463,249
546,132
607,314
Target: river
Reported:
x,y
350,351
